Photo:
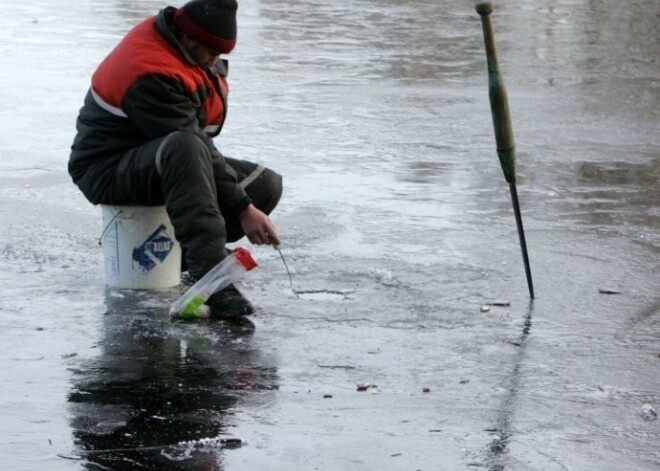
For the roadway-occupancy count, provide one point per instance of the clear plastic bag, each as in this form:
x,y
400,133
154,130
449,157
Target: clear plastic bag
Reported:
x,y
230,270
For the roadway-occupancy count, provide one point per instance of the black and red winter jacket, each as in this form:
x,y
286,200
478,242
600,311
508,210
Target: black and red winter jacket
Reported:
x,y
146,88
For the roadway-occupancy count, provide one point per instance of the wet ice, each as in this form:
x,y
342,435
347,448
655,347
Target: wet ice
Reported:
x,y
377,115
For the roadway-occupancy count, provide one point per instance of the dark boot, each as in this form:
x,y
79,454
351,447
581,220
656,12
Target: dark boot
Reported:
x,y
229,304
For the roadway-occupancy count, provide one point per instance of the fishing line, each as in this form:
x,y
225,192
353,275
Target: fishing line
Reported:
x,y
277,247
298,293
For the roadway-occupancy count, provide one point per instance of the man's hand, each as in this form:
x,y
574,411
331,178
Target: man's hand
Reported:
x,y
258,227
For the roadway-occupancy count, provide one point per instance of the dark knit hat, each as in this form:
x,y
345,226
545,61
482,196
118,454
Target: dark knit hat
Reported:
x,y
211,22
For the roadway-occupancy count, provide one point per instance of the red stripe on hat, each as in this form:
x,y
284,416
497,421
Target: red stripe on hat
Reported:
x,y
188,26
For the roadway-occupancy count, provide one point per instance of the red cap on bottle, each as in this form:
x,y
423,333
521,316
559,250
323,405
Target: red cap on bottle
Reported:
x,y
245,257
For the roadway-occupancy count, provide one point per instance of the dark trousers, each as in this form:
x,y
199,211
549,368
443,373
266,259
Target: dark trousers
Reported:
x,y
180,172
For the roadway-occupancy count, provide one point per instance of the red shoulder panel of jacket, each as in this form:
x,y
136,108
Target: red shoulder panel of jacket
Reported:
x,y
144,51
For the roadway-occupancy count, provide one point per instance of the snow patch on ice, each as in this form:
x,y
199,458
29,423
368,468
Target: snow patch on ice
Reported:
x,y
382,276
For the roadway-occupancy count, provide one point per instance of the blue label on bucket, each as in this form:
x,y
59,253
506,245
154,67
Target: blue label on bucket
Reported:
x,y
154,250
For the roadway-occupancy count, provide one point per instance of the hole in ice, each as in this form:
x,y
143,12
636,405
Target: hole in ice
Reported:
x,y
322,295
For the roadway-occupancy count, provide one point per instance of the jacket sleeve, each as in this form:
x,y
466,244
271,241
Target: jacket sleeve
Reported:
x,y
158,105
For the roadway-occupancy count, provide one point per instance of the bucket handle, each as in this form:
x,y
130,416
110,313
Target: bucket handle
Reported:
x,y
108,226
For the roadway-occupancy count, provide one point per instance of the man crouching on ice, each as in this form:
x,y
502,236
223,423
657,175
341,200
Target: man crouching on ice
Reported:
x,y
145,138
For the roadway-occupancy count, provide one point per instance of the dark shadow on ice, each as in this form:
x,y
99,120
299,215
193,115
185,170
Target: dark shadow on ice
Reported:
x,y
160,395
497,453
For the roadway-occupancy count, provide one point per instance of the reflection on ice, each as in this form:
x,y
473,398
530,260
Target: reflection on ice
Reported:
x,y
161,391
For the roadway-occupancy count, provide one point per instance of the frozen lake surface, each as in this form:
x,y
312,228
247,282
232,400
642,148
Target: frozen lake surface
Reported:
x,y
396,224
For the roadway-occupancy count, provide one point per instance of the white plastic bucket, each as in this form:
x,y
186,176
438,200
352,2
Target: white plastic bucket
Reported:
x,y
139,248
